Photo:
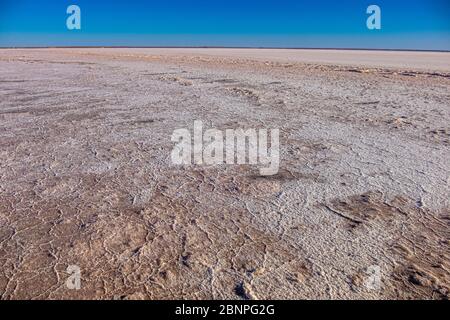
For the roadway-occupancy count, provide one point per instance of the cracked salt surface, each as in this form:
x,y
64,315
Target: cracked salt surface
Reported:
x,y
86,177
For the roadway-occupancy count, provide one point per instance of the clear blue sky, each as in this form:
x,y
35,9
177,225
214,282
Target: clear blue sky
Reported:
x,y
412,24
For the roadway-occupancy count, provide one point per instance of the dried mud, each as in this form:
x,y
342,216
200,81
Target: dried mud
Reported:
x,y
86,178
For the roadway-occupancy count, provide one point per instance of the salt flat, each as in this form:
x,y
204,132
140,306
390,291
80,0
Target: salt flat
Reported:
x,y
359,208
419,60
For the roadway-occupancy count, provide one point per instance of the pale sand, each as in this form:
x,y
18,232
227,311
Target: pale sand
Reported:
x,y
86,177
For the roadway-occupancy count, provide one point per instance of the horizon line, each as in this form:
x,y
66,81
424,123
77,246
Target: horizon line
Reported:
x,y
218,47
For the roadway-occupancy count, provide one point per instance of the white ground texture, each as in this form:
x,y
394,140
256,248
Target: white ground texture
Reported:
x,y
86,177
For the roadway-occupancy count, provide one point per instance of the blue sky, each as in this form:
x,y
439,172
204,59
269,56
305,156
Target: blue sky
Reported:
x,y
413,24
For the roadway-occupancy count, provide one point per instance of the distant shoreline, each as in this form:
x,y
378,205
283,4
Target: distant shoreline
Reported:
x,y
220,47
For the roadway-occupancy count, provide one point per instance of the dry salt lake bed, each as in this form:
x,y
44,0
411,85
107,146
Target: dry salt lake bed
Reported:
x,y
359,208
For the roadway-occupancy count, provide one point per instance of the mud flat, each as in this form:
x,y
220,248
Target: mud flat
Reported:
x,y
358,209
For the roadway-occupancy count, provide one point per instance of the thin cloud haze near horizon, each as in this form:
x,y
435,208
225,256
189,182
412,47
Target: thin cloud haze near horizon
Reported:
x,y
415,25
